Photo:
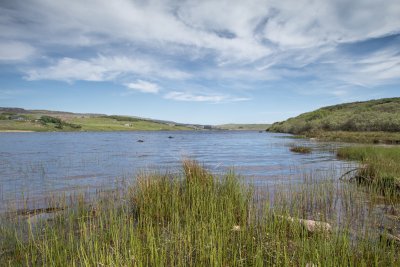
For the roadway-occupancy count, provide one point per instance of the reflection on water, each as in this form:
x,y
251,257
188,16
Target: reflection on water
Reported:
x,y
33,165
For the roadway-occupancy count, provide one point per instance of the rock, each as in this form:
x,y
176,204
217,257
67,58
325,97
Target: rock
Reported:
x,y
140,141
236,228
310,225
316,226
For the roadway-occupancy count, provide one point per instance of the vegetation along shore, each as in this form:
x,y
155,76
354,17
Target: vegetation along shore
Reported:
x,y
374,121
369,122
198,219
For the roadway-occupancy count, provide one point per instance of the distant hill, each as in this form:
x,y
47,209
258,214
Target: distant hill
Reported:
x,y
243,127
18,119
367,116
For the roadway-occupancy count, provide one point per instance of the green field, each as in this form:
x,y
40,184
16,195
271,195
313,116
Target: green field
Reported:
x,y
111,124
36,121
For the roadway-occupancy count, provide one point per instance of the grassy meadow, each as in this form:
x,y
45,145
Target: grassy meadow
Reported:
x,y
198,219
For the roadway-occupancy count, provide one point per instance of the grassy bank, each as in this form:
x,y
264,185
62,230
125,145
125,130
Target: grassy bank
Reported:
x,y
356,137
380,166
197,219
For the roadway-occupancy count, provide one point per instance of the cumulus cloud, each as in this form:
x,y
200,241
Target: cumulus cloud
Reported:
x,y
144,87
214,98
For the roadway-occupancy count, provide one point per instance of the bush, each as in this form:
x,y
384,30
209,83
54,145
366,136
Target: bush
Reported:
x,y
48,119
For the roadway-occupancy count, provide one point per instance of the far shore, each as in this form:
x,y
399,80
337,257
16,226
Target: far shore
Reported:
x,y
16,131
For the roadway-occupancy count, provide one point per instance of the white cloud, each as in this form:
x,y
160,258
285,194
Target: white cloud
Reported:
x,y
15,51
217,40
214,98
102,68
144,87
234,30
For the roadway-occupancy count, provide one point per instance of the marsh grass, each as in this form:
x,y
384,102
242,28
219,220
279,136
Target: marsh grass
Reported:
x,y
301,149
357,137
380,168
197,219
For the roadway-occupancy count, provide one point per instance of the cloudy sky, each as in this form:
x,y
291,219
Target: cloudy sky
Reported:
x,y
208,62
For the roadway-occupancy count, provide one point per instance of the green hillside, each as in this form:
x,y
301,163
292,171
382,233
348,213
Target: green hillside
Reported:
x,y
15,119
374,121
368,116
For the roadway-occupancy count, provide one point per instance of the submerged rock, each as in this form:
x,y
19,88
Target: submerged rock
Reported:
x,y
316,226
312,226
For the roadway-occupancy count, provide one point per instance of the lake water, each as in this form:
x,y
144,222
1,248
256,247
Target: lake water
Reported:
x,y
35,165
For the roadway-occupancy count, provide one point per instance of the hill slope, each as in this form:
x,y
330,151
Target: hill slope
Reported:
x,y
367,116
245,127
17,119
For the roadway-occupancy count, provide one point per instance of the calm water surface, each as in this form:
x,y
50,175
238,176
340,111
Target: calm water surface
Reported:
x,y
34,165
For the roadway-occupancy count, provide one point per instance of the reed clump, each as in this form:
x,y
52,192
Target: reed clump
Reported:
x,y
193,219
301,149
379,169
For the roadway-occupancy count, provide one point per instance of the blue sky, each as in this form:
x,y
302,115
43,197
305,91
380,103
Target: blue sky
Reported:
x,y
208,62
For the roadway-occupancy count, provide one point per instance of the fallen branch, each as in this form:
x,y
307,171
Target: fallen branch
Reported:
x,y
346,173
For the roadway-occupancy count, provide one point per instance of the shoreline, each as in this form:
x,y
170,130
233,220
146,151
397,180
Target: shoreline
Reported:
x,y
16,131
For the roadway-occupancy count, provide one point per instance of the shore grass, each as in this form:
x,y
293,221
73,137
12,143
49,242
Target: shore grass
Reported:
x,y
379,166
356,137
197,219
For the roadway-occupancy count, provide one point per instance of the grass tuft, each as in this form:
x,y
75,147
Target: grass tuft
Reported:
x,y
379,166
301,149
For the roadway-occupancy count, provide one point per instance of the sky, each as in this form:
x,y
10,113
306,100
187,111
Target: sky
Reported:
x,y
208,62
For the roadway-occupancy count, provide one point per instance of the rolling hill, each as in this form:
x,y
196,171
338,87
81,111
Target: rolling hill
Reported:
x,y
373,115
17,119
369,121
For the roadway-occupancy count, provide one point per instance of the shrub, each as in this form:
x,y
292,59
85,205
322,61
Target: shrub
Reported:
x,y
48,119
301,149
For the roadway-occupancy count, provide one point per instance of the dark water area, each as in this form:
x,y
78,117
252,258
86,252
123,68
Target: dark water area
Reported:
x,y
36,165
